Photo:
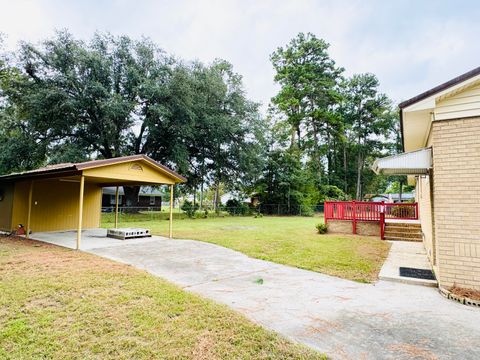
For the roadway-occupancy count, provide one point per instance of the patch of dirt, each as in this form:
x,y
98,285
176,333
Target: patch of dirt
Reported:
x,y
204,348
42,303
463,292
322,326
239,227
411,351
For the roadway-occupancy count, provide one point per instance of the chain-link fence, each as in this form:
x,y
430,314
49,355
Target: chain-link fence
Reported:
x,y
126,214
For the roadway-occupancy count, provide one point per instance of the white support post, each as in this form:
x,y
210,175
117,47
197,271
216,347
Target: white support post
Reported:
x,y
116,208
29,213
80,212
170,227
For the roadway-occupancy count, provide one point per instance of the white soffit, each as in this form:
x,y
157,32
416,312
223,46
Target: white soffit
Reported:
x,y
411,163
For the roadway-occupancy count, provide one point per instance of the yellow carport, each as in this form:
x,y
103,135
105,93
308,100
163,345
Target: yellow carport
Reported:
x,y
68,196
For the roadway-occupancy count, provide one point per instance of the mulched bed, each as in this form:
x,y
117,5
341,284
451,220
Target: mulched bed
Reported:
x,y
462,292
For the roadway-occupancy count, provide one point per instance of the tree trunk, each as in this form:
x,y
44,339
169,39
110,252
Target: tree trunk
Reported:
x,y
317,152
131,197
194,196
217,197
345,167
401,190
359,177
201,195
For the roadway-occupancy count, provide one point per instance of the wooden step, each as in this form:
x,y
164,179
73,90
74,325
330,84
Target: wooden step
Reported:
x,y
393,238
403,229
404,225
401,234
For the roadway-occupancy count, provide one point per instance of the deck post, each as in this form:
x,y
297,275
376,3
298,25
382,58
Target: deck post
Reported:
x,y
382,221
80,212
170,225
29,213
354,218
116,207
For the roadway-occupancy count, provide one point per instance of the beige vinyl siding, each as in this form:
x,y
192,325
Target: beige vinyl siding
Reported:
x,y
461,105
456,187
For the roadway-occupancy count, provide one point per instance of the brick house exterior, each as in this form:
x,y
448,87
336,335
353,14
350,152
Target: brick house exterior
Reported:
x,y
446,121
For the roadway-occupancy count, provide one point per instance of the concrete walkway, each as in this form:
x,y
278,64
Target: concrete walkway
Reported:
x,y
406,254
345,319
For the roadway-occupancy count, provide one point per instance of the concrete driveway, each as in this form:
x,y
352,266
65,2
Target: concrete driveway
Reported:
x,y
344,319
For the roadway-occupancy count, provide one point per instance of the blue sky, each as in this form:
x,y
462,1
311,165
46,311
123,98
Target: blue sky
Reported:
x,y
410,45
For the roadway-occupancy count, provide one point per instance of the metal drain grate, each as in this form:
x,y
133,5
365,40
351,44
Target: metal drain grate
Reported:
x,y
417,273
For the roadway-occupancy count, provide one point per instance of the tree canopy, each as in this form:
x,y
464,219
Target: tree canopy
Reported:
x,y
65,99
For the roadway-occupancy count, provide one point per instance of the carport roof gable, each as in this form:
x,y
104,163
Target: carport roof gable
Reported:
x,y
77,168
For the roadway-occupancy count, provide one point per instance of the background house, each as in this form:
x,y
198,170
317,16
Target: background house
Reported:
x,y
147,197
395,198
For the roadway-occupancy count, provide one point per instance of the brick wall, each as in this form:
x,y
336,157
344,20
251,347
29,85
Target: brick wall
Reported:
x,y
456,188
423,197
345,227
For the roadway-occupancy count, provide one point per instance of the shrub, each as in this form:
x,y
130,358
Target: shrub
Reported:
x,y
306,210
189,208
236,207
322,228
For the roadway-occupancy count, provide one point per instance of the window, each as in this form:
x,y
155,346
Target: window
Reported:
x,y
152,200
112,199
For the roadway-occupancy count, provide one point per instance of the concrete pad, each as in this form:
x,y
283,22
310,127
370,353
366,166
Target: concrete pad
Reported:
x,y
91,239
345,319
406,254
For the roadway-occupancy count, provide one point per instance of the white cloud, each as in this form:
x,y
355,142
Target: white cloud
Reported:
x,y
408,50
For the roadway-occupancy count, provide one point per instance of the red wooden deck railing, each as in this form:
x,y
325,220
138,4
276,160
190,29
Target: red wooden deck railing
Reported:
x,y
369,211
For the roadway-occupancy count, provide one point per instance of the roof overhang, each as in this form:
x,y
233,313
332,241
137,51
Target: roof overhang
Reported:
x,y
417,113
106,172
411,163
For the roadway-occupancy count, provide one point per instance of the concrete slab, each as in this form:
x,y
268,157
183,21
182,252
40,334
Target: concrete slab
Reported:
x,y
91,239
406,254
345,319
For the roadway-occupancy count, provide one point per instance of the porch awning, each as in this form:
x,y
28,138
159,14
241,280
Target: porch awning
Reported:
x,y
417,162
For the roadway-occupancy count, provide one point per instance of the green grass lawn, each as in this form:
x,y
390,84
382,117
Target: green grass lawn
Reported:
x,y
285,240
57,303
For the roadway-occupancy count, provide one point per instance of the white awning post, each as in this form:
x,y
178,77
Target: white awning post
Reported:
x,y
29,213
116,207
170,225
80,212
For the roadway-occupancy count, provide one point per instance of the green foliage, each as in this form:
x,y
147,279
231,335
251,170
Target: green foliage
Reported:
x,y
68,100
237,207
394,187
189,208
335,126
285,181
322,228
